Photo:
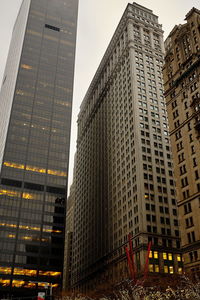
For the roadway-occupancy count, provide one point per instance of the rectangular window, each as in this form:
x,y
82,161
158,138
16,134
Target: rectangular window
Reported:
x,y
179,257
156,254
165,269
52,27
180,270
170,256
157,269
150,268
165,256
187,208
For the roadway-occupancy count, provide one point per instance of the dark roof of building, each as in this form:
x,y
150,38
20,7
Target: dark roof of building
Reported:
x,y
191,12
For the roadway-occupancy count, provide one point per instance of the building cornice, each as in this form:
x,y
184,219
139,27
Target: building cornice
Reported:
x,y
193,10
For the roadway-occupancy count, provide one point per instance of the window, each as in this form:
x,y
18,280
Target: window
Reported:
x,y
165,269
179,257
189,222
150,267
191,237
186,194
157,270
178,135
170,256
175,222
187,208
147,206
52,27
155,254
165,256
180,270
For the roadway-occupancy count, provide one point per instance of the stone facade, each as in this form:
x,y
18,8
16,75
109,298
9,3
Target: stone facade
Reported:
x,y
124,175
182,91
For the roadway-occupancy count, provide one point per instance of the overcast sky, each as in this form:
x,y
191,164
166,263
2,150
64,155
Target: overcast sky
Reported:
x,y
96,24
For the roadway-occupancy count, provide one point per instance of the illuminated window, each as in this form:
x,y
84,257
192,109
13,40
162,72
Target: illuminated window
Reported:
x,y
10,193
170,257
5,270
50,230
18,283
27,238
26,272
178,257
49,273
155,254
57,173
8,225
11,236
35,169
29,228
13,165
171,269
4,282
27,67
164,255
30,285
157,270
180,270
150,268
44,284
26,227
27,196
165,269
150,254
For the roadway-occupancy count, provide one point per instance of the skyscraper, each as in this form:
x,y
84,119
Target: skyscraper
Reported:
x,y
67,268
35,121
182,90
124,176
68,240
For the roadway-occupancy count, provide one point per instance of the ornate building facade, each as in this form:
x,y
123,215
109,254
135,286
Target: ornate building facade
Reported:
x,y
182,91
124,173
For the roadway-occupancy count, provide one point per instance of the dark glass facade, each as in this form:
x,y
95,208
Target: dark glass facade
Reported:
x,y
35,120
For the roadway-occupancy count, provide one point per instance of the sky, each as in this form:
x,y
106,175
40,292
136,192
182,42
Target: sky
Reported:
x,y
97,22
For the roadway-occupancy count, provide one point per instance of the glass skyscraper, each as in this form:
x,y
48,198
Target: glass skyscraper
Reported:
x,y
35,121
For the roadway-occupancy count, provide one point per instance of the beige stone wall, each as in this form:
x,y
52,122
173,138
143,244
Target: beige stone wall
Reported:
x,y
182,88
124,177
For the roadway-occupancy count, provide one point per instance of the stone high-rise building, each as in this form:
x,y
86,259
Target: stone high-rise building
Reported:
x,y
35,121
67,268
182,90
124,174
68,239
